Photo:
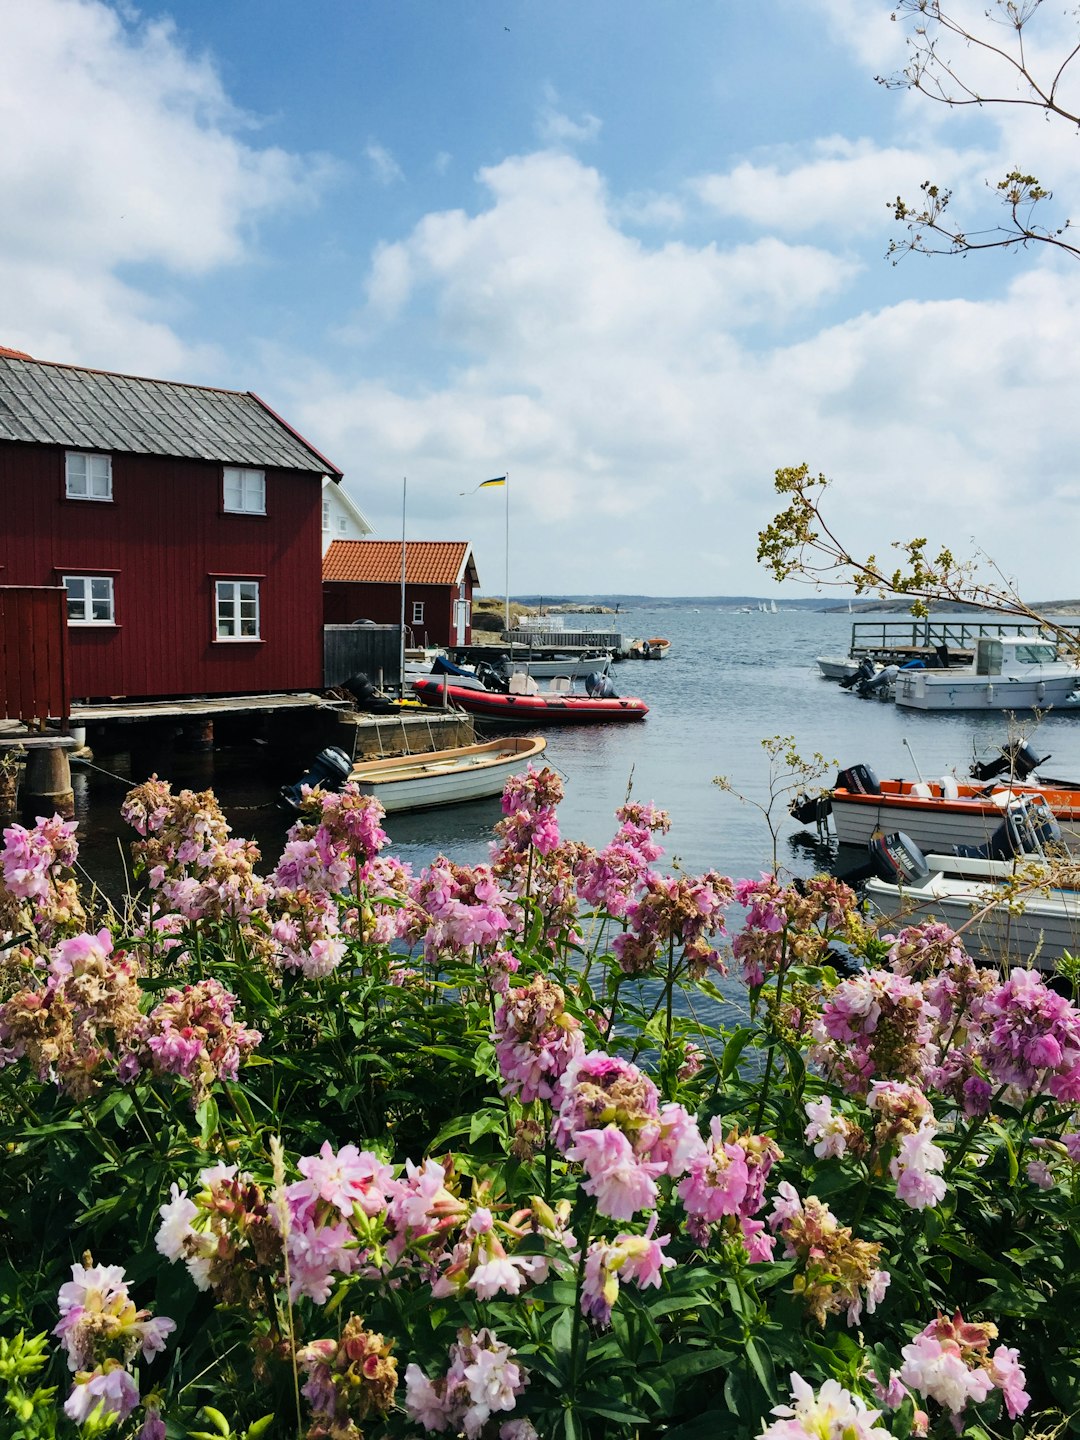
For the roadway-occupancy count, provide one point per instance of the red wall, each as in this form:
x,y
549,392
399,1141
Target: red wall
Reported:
x,y
343,603
165,540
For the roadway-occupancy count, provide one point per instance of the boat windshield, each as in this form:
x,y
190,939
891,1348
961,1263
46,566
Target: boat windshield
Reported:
x,y
1035,654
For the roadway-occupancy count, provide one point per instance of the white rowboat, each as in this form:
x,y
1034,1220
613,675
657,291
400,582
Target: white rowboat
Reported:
x,y
446,777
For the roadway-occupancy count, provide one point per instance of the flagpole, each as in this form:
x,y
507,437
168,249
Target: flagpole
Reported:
x,y
507,616
404,488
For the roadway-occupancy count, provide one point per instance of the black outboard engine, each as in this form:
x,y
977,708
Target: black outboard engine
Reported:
x,y
598,686
367,695
1017,759
490,678
811,809
864,672
858,780
329,770
897,859
877,682
1027,827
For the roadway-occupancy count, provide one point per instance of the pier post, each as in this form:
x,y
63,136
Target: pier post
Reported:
x,y
197,735
46,784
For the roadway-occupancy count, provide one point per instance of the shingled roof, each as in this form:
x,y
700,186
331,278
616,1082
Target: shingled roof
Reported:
x,y
378,562
48,404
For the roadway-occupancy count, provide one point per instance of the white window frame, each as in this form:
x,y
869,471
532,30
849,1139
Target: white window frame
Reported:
x,y
418,612
229,602
80,596
248,491
326,517
88,476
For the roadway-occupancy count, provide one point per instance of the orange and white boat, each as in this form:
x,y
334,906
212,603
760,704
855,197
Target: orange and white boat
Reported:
x,y
938,814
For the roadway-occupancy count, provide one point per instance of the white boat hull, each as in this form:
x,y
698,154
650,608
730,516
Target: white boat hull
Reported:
x,y
837,667
1040,933
446,777
934,825
940,690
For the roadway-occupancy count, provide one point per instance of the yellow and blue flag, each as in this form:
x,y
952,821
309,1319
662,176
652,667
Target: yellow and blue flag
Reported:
x,y
499,480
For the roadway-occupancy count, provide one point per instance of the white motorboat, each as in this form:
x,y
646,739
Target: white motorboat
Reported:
x,y
1019,922
446,777
838,667
938,814
1009,672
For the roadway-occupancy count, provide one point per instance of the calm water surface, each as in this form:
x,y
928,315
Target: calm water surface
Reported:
x,y
730,681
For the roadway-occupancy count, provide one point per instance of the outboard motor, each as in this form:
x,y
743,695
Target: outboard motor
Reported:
x,y
490,678
598,686
1018,759
864,672
897,859
367,696
1028,826
811,809
879,682
858,780
329,770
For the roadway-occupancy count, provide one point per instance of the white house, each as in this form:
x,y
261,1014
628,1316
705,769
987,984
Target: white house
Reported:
x,y
342,519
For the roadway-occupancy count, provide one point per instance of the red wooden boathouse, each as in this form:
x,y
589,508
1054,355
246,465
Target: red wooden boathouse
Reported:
x,y
362,581
183,525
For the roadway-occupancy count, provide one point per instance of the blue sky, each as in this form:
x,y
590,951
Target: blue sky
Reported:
x,y
633,254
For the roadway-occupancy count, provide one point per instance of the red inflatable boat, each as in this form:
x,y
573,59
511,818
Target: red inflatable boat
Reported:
x,y
539,709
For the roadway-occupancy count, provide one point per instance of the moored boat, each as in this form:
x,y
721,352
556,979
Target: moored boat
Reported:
x,y
940,812
527,705
1010,672
446,777
1010,910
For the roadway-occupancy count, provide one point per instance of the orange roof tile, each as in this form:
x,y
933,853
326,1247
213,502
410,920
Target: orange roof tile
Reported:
x,y
378,562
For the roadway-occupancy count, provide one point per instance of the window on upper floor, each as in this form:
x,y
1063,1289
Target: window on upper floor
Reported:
x,y
90,599
244,491
417,612
236,610
343,524
326,516
87,476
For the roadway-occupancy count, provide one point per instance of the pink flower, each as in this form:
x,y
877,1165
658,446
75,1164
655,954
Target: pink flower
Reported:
x,y
620,1183
110,1387
831,1414
717,1179
915,1168
1009,1377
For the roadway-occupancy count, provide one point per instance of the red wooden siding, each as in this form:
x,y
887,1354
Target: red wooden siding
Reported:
x,y
164,540
345,602
33,653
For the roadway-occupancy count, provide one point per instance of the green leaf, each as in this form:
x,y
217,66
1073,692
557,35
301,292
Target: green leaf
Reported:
x,y
734,1049
206,1116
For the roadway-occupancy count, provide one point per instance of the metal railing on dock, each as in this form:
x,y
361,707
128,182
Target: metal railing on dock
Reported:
x,y
892,641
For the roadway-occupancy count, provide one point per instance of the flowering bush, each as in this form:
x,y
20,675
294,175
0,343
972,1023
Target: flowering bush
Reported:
x,y
503,1151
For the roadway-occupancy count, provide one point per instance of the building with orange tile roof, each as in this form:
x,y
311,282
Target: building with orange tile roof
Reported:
x,y
362,581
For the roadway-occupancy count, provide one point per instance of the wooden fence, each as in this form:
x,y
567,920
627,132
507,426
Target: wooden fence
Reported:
x,y
34,669
371,650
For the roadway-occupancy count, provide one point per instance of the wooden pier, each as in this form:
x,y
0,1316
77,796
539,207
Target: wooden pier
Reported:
x,y
893,642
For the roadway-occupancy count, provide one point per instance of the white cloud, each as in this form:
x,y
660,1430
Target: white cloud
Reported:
x,y
136,158
556,128
641,416
384,167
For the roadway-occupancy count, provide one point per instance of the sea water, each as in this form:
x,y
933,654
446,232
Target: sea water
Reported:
x,y
730,681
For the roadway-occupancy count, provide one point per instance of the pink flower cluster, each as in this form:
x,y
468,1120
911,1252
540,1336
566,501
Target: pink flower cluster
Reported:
x,y
193,1033
833,1413
535,1039
529,820
483,1379
839,1274
686,912
726,1178
609,1119
609,878
465,907
950,1362
875,1025
321,1239
32,859
787,924
1031,1038
639,1259
103,1332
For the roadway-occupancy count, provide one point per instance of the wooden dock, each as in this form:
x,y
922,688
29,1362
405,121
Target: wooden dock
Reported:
x,y
893,642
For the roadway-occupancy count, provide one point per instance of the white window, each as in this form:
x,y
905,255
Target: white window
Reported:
x,y
236,610
245,491
90,600
343,524
417,612
87,477
326,516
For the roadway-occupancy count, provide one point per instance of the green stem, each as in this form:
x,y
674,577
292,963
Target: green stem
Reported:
x,y
767,1077
575,1336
